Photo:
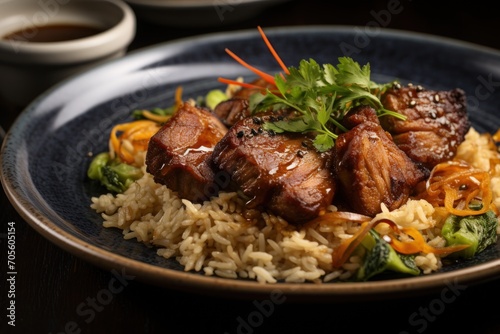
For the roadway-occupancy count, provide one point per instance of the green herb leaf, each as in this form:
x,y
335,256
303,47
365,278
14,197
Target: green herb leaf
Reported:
x,y
322,95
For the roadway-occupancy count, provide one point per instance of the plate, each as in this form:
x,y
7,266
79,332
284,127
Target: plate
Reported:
x,y
44,156
199,13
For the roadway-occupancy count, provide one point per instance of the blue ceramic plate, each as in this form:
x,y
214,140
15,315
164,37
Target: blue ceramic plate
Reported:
x,y
45,154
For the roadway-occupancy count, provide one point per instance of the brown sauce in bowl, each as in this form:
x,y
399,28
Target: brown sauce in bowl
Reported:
x,y
53,33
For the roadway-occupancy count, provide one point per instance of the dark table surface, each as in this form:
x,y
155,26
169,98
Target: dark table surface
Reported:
x,y
52,283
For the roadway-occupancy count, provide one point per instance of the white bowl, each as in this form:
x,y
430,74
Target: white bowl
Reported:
x,y
29,68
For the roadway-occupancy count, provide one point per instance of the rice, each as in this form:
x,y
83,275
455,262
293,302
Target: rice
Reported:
x,y
215,238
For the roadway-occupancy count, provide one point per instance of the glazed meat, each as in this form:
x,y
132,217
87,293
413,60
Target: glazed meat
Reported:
x,y
198,153
370,168
358,115
279,172
436,123
232,110
236,108
178,154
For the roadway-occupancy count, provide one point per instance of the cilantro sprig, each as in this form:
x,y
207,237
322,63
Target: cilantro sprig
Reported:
x,y
322,95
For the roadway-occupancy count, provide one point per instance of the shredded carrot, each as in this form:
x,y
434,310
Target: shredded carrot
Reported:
x,y
154,117
267,77
455,185
238,83
347,246
273,52
127,139
418,243
178,98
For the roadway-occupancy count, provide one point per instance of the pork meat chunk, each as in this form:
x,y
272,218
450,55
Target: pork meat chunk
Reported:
x,y
179,153
372,170
436,122
282,173
237,107
232,110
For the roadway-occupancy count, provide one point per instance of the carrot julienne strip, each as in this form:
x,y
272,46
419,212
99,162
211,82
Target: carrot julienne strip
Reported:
x,y
137,133
157,118
418,244
178,98
267,77
238,83
347,246
273,51
455,184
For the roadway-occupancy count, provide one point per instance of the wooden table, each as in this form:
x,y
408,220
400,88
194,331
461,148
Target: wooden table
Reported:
x,y
56,292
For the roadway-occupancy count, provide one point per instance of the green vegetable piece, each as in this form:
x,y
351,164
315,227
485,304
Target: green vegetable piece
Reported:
x,y
476,231
214,97
94,171
116,176
323,95
381,257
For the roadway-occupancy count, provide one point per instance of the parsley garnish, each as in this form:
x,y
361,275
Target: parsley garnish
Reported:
x,y
322,95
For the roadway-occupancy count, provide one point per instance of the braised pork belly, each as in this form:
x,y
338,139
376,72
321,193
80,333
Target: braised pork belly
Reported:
x,y
237,107
370,168
436,123
377,161
232,111
282,173
179,153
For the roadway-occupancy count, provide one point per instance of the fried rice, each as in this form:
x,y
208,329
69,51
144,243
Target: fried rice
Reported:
x,y
218,238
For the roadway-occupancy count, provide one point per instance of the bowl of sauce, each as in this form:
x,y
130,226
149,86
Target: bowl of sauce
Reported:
x,y
54,33
44,42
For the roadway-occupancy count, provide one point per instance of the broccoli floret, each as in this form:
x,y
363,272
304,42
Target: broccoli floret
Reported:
x,y
476,231
381,257
116,176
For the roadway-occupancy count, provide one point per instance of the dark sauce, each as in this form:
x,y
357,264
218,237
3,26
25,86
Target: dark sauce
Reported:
x,y
53,33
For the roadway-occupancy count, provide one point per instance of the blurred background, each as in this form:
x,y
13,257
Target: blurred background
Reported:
x,y
160,21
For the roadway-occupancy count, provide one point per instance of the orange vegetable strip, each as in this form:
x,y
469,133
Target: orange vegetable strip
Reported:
x,y
408,247
142,130
418,244
115,142
453,181
274,53
238,83
347,246
178,98
141,136
263,75
157,118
